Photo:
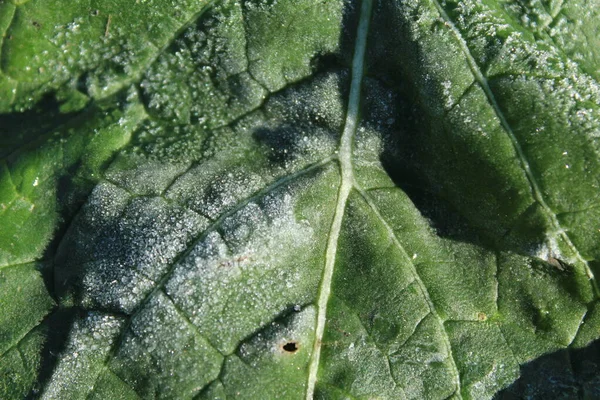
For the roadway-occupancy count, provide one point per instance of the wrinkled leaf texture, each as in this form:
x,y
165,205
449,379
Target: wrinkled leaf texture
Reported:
x,y
299,199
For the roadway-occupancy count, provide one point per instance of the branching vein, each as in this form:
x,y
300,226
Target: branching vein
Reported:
x,y
346,184
163,280
420,285
535,188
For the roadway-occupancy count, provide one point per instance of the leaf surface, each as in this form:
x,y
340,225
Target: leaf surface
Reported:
x,y
277,199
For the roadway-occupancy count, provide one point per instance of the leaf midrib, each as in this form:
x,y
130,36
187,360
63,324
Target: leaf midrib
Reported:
x,y
346,185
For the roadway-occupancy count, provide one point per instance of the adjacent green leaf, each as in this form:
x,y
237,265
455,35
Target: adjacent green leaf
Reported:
x,y
299,199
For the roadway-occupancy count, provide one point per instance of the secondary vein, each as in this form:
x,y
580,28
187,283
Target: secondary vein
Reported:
x,y
535,187
346,185
420,284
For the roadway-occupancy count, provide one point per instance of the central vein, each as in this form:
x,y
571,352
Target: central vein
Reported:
x,y
347,182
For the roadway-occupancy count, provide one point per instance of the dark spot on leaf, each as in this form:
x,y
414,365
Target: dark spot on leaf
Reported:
x,y
290,347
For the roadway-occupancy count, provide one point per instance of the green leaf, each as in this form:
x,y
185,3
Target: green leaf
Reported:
x,y
299,199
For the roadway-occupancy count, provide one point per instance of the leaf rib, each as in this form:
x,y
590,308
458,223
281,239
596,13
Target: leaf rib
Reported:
x,y
189,323
418,281
3,45
384,352
163,280
16,343
346,185
160,284
108,371
412,334
547,29
535,188
137,77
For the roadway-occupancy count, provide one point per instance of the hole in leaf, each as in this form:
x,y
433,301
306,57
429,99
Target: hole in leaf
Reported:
x,y
290,347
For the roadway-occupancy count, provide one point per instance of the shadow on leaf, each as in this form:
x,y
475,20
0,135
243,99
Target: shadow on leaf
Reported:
x,y
565,374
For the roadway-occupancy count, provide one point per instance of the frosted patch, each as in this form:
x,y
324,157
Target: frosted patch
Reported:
x,y
272,225
125,257
90,341
304,121
319,103
161,141
162,353
109,285
250,271
140,175
227,190
105,201
295,128
202,78
153,232
118,51
215,186
243,224
103,208
516,56
202,266
550,251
